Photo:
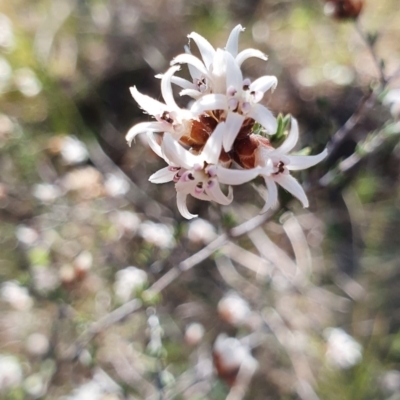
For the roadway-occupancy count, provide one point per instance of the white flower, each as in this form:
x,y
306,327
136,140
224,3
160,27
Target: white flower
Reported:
x,y
240,101
160,235
17,296
233,309
230,355
169,117
10,372
279,164
127,281
199,175
218,84
209,74
343,351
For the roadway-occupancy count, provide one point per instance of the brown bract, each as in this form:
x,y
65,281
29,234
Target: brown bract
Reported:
x,y
244,150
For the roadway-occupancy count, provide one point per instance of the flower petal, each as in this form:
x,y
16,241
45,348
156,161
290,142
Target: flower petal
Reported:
x,y
209,102
291,139
303,162
292,186
218,73
166,89
236,176
178,155
233,123
233,41
218,196
264,83
213,146
194,93
183,83
191,60
248,53
272,194
206,50
234,77
162,175
265,117
142,128
149,105
154,145
182,207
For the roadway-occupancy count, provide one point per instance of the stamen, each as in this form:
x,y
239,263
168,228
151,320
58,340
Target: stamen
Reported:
x,y
231,91
166,117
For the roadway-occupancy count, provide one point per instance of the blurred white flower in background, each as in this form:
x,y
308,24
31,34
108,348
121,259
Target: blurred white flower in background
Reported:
x,y
101,387
201,231
73,151
27,82
17,296
10,372
7,40
194,333
342,350
159,235
116,185
26,235
230,356
233,309
127,281
392,99
46,192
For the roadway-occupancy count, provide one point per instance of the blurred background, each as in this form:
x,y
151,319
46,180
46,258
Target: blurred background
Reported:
x,y
309,300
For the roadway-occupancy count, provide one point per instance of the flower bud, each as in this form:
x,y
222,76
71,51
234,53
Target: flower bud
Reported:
x,y
343,9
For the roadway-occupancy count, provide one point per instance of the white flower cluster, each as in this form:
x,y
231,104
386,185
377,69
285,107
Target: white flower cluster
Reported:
x,y
216,141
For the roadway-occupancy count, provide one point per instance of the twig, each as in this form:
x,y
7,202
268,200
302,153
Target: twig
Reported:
x,y
206,251
371,47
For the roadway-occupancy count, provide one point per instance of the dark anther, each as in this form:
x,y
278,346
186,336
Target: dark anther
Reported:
x,y
191,177
165,116
246,87
200,185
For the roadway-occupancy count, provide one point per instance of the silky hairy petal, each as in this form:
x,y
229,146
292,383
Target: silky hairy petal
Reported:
x,y
264,83
249,53
209,102
142,128
218,196
265,117
206,50
166,89
234,77
155,146
182,207
194,93
303,162
177,154
191,60
213,147
292,186
148,104
183,83
233,41
272,194
233,123
163,175
292,138
236,176
218,73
